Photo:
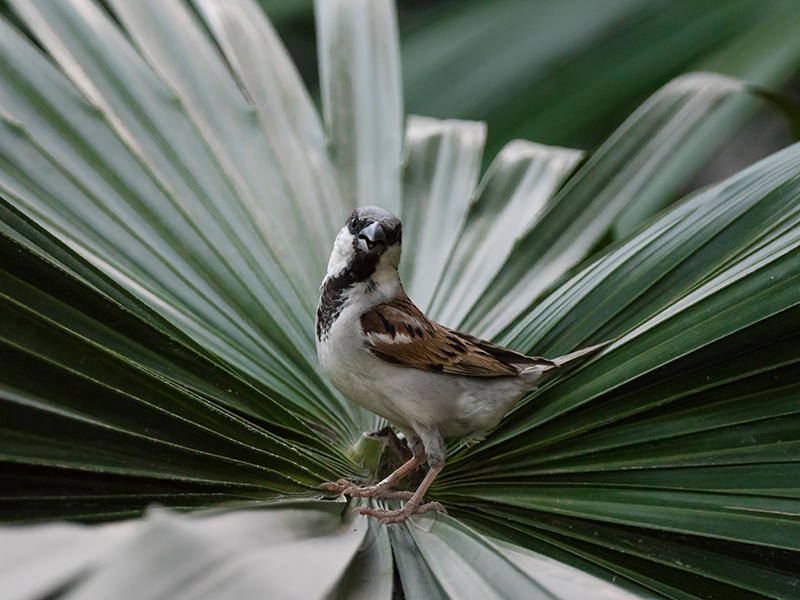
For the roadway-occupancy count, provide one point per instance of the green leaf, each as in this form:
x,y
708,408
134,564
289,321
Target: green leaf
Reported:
x,y
168,195
37,561
693,435
236,304
370,574
416,577
671,566
622,172
533,70
468,565
442,166
359,67
510,200
237,554
488,52
288,118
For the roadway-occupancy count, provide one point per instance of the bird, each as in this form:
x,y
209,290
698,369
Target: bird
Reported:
x,y
431,382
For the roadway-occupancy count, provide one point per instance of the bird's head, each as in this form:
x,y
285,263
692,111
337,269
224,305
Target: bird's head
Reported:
x,y
368,244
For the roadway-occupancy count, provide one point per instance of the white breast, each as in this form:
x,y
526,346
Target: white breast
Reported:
x,y
351,367
456,405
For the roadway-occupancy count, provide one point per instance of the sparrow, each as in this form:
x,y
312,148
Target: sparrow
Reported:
x,y
431,382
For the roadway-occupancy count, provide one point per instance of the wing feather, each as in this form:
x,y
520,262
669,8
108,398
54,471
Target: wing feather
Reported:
x,y
399,333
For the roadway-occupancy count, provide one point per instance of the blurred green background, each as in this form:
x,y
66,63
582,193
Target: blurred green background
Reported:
x,y
568,72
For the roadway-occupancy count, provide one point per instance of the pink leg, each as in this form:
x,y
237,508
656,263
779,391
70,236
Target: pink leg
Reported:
x,y
381,489
413,506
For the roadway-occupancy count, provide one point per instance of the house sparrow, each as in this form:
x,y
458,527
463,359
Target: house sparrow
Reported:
x,y
383,353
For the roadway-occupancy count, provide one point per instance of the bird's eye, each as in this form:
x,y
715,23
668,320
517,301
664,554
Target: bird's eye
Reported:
x,y
352,224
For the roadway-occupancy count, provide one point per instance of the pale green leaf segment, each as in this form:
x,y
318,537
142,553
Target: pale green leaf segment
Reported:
x,y
359,72
168,195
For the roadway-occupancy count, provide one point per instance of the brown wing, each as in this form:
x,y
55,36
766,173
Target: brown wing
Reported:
x,y
399,333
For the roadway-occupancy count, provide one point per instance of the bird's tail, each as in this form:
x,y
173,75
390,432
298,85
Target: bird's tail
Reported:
x,y
578,354
534,375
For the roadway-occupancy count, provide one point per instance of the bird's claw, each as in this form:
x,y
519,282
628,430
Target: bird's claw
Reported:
x,y
348,488
340,486
387,517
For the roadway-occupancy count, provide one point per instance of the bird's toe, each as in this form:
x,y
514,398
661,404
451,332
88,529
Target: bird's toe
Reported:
x,y
340,485
378,491
388,517
369,491
372,512
432,507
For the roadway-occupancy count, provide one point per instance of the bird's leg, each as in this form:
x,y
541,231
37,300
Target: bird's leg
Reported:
x,y
413,506
436,453
382,489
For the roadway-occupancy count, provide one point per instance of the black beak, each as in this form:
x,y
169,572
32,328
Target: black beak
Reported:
x,y
373,234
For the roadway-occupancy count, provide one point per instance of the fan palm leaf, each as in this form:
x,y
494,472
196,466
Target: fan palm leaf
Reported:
x,y
168,195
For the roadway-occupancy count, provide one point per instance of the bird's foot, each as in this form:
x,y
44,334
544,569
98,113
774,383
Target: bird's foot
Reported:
x,y
388,517
342,486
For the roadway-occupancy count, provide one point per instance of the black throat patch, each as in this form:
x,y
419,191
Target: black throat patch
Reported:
x,y
334,290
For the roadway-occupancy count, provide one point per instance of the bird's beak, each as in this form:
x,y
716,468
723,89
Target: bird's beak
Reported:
x,y
373,233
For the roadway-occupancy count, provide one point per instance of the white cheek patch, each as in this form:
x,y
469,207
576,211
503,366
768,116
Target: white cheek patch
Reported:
x,y
342,253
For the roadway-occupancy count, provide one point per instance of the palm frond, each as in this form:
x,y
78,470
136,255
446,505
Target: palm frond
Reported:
x,y
168,193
